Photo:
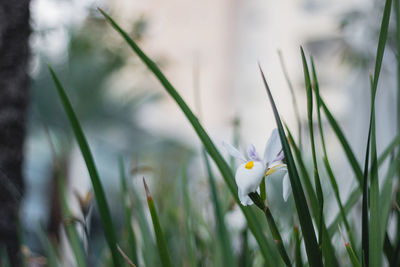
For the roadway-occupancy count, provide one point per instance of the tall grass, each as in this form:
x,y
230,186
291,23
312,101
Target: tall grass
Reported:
x,y
366,246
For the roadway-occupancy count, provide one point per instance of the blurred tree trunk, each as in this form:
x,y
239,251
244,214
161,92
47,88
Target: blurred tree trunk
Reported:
x,y
14,81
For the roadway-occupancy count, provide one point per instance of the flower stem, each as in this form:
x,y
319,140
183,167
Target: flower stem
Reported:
x,y
272,226
262,190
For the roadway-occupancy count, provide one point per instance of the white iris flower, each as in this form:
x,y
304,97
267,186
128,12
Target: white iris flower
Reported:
x,y
252,169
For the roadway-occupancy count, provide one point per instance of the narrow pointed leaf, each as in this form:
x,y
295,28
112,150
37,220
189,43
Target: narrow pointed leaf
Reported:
x,y
317,181
385,200
148,244
50,248
294,101
188,209
297,252
327,248
328,168
104,211
376,247
356,193
70,229
221,227
353,257
344,143
375,228
310,240
131,237
161,242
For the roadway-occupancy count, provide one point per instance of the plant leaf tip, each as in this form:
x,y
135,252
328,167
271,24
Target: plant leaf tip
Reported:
x,y
147,189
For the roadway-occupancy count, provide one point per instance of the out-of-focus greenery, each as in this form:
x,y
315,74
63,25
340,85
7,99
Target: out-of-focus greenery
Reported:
x,y
108,115
178,230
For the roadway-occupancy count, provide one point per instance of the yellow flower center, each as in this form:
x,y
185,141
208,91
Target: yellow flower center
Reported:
x,y
249,165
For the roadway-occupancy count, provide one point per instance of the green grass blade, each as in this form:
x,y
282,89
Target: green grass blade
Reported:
x,y
219,216
342,211
131,237
297,248
245,252
50,248
388,249
375,228
356,193
189,231
350,252
310,240
328,168
327,247
376,246
72,234
397,19
161,242
386,197
352,255
104,211
365,201
383,35
388,150
343,141
312,198
222,165
353,198
294,101
148,244
317,181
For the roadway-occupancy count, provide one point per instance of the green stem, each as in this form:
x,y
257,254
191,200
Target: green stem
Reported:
x,y
272,226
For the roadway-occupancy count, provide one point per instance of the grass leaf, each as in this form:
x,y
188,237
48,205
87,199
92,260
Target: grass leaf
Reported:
x,y
375,228
161,242
356,193
310,240
131,237
385,199
376,246
148,244
219,216
328,168
297,249
50,248
317,180
70,229
188,209
343,141
294,101
104,211
327,247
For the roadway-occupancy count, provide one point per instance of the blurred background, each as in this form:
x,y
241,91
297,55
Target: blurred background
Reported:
x,y
209,50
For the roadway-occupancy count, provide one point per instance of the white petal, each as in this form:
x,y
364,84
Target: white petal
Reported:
x,y
273,147
233,151
286,187
248,180
244,198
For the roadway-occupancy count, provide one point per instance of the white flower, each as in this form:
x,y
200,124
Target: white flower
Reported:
x,y
252,169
